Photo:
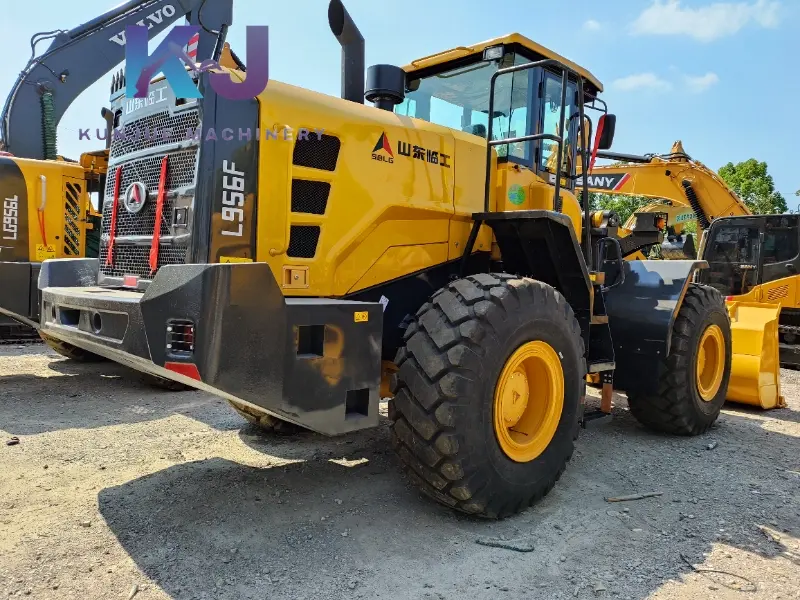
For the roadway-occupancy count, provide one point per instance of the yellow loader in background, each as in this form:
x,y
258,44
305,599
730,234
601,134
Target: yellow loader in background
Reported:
x,y
753,259
47,213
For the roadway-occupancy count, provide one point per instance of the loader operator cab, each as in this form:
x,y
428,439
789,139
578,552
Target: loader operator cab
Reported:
x,y
452,89
743,252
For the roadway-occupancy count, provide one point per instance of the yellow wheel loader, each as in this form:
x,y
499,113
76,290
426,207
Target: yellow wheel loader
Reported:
x,y
312,247
753,259
46,207
47,213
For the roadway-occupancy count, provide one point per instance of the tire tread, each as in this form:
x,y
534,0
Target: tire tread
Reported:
x,y
431,378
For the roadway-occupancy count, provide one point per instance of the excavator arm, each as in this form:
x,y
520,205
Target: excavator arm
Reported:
x,y
77,58
675,177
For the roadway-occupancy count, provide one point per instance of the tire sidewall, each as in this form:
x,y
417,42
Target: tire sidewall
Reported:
x,y
713,316
532,323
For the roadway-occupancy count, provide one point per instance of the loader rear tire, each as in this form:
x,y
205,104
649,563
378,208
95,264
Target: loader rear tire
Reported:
x,y
71,352
454,424
264,420
679,406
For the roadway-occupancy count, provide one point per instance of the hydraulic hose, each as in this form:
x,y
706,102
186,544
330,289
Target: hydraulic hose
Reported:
x,y
48,126
691,196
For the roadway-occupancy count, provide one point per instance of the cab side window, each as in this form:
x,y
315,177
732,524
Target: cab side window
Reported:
x,y
780,245
780,249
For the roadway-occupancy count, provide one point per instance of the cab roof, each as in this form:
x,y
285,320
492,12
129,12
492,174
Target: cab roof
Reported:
x,y
511,38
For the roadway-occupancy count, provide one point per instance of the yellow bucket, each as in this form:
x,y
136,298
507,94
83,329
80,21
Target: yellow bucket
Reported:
x,y
755,364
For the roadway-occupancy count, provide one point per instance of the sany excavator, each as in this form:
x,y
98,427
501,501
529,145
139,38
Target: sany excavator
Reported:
x,y
752,259
46,206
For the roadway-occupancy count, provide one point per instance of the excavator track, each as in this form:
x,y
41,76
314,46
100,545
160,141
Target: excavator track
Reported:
x,y
789,346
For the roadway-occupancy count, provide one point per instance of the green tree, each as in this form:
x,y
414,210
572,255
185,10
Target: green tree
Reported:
x,y
624,206
750,180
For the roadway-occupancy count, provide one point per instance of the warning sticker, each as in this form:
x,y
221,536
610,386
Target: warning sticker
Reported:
x,y
45,252
234,259
361,316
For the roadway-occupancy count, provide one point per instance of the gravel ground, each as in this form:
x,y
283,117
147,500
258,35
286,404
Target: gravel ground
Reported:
x,y
118,490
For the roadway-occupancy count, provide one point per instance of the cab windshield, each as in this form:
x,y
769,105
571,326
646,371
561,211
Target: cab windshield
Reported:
x,y
458,98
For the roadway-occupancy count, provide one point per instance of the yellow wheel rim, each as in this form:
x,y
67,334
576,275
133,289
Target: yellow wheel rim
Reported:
x,y
710,362
528,401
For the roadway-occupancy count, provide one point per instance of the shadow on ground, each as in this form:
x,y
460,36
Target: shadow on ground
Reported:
x,y
353,528
88,395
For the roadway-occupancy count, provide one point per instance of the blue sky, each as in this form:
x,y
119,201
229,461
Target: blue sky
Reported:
x,y
717,75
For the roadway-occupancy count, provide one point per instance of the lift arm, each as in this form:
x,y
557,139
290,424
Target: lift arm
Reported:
x,y
77,58
675,177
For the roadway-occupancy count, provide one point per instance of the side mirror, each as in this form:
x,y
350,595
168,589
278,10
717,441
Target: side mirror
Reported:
x,y
606,127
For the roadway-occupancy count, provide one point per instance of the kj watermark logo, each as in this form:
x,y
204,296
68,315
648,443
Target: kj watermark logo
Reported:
x,y
171,59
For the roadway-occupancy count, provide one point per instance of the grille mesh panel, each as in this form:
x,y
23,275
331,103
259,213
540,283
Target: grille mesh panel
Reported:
x,y
317,153
72,216
135,260
778,293
143,222
180,172
310,197
136,134
303,241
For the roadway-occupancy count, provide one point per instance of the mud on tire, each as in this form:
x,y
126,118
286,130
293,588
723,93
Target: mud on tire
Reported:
x,y
71,352
442,410
677,406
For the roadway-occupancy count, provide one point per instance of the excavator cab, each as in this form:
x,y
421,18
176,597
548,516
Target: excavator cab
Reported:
x,y
754,256
754,261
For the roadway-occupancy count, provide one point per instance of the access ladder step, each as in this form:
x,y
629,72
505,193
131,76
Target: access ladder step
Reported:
x,y
601,366
594,418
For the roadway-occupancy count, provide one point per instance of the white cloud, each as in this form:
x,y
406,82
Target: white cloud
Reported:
x,y
705,23
591,25
701,83
642,81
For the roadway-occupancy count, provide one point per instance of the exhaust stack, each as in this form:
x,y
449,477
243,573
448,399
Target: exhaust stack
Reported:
x,y
352,43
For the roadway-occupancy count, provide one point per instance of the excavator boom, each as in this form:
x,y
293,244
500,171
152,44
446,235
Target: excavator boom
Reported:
x,y
77,58
674,176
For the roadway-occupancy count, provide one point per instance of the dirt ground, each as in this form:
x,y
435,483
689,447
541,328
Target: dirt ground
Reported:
x,y
117,489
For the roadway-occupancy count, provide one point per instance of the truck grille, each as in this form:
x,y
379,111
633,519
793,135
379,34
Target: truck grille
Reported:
x,y
131,252
135,260
143,222
180,173
152,130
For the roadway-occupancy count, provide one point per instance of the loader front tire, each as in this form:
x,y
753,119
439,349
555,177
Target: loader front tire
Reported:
x,y
488,393
264,420
71,352
694,377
